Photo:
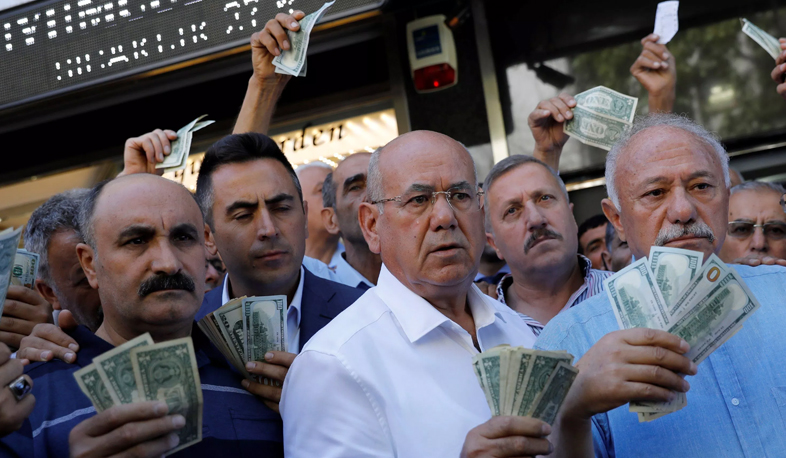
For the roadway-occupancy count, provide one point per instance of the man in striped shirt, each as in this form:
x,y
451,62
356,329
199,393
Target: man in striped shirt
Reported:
x,y
530,223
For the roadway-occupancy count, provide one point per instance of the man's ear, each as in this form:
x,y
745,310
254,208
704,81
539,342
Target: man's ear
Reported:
x,y
490,240
613,215
305,212
48,293
330,220
368,215
87,260
210,242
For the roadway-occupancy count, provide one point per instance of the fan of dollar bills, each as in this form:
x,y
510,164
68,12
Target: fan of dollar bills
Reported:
x,y
672,291
524,382
246,328
17,266
140,370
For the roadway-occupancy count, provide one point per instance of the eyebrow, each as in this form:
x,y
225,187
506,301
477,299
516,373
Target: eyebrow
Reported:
x,y
279,198
242,204
185,229
352,180
692,176
419,187
135,231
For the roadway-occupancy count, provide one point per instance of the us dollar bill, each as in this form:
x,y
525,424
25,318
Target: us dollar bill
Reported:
x,y
115,370
549,401
265,325
764,39
230,324
716,316
608,103
674,269
537,376
516,378
94,388
293,61
636,299
490,374
594,129
9,242
181,147
711,272
167,371
25,268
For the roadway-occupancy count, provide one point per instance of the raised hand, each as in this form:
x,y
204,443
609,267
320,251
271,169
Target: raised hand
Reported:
x,y
656,70
141,154
269,42
274,368
546,123
779,72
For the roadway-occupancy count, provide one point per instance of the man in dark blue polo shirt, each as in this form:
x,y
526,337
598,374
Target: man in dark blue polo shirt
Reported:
x,y
144,252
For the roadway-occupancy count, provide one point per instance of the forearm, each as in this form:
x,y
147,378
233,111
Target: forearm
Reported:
x,y
259,104
572,439
662,102
550,157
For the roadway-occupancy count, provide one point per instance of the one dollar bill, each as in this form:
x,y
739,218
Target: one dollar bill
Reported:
x,y
293,60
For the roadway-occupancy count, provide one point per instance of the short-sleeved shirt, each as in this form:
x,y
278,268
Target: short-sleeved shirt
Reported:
x,y
737,401
593,284
234,422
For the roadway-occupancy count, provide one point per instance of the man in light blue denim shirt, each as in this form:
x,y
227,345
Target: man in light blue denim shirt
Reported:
x,y
668,184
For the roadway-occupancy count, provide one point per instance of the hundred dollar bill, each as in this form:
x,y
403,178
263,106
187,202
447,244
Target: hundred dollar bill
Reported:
x,y
94,388
608,103
265,325
667,22
547,405
230,324
716,316
115,369
9,242
167,371
636,299
593,129
711,272
674,268
538,373
25,268
181,147
293,61
764,39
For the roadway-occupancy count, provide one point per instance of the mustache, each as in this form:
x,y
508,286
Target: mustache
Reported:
x,y
675,231
540,233
165,282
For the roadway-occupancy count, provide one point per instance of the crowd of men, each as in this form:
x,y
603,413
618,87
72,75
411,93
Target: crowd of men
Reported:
x,y
379,259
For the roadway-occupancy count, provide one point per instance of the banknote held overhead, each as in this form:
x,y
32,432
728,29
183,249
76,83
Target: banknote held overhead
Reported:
x,y
432,54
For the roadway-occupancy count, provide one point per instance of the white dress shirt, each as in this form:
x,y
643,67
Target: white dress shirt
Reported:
x,y
347,274
293,313
392,376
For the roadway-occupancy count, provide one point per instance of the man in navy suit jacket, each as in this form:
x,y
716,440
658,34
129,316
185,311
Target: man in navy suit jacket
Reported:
x,y
257,220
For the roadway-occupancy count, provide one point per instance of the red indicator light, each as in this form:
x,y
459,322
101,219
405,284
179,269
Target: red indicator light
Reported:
x,y
434,77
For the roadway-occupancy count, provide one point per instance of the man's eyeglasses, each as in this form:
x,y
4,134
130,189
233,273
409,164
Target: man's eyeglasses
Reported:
x,y
419,202
773,230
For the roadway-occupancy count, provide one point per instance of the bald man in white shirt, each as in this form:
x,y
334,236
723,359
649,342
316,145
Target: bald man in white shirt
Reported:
x,y
394,369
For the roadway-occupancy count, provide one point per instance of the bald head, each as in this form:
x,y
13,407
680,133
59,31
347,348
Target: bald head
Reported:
x,y
408,151
128,193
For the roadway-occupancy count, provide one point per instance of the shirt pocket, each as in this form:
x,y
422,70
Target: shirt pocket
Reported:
x,y
256,425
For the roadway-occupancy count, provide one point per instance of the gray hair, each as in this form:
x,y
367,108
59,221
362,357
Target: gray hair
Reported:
x,y
312,165
374,189
329,192
509,164
759,186
667,120
59,213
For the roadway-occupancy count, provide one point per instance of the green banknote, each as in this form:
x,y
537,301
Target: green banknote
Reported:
x,y
594,129
764,39
606,102
94,388
293,61
9,241
167,371
547,405
25,268
517,377
490,371
230,324
265,325
674,269
543,364
636,299
115,369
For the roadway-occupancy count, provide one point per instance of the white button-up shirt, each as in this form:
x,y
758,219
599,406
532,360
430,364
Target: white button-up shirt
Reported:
x,y
293,313
392,376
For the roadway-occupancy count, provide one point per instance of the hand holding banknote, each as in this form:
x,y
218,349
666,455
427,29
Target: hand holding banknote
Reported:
x,y
270,42
141,154
508,436
656,70
546,123
274,368
779,72
630,365
142,429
